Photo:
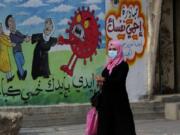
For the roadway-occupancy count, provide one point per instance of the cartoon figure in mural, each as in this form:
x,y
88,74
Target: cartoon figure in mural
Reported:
x,y
17,38
44,41
84,37
5,64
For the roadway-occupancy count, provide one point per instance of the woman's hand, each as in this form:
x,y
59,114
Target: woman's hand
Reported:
x,y
100,80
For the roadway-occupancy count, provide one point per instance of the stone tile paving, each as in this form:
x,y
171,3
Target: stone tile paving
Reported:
x,y
143,127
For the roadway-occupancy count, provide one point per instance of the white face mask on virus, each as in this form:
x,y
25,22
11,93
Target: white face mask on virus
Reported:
x,y
112,53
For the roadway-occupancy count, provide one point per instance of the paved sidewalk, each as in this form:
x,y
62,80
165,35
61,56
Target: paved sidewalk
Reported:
x,y
143,127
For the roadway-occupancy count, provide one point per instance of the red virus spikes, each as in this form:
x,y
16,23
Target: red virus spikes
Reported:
x,y
69,23
79,9
91,58
75,12
92,12
88,9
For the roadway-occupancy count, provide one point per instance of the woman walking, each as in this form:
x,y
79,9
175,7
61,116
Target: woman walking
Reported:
x,y
114,113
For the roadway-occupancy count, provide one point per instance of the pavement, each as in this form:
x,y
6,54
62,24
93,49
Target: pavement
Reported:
x,y
143,127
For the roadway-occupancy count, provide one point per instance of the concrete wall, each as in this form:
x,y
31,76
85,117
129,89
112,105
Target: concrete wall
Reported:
x,y
177,42
167,61
165,54
65,114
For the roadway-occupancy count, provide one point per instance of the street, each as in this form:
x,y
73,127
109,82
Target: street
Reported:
x,y
143,127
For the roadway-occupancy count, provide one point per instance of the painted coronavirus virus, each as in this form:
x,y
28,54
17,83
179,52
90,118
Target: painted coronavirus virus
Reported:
x,y
84,37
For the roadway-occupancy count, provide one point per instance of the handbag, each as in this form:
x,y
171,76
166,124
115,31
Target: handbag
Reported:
x,y
91,122
96,99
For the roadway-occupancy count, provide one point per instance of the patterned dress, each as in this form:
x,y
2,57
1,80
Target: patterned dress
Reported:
x,y
5,65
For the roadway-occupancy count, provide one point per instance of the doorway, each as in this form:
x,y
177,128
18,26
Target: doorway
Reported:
x,y
177,43
165,64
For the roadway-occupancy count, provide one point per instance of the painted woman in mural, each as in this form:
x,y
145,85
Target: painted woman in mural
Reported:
x,y
5,64
44,42
17,38
83,38
114,112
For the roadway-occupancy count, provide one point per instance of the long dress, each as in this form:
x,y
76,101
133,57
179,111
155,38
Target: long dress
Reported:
x,y
40,64
115,115
5,65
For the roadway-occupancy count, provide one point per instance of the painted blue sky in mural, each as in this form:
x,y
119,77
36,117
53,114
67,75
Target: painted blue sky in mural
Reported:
x,y
30,14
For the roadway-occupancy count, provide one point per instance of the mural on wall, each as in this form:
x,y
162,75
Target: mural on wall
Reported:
x,y
37,37
128,25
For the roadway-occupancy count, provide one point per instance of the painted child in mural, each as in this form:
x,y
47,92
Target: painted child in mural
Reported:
x,y
44,41
17,38
5,64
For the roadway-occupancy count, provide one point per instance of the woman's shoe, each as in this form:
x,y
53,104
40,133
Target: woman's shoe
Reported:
x,y
10,79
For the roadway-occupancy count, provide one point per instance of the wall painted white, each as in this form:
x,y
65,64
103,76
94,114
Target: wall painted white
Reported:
x,y
137,80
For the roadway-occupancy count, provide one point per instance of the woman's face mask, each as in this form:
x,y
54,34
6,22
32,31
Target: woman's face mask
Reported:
x,y
112,52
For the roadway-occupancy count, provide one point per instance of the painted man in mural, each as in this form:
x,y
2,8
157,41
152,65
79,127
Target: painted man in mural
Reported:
x,y
17,38
5,65
44,41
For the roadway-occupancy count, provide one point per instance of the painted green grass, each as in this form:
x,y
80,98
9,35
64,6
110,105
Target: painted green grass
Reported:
x,y
56,59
